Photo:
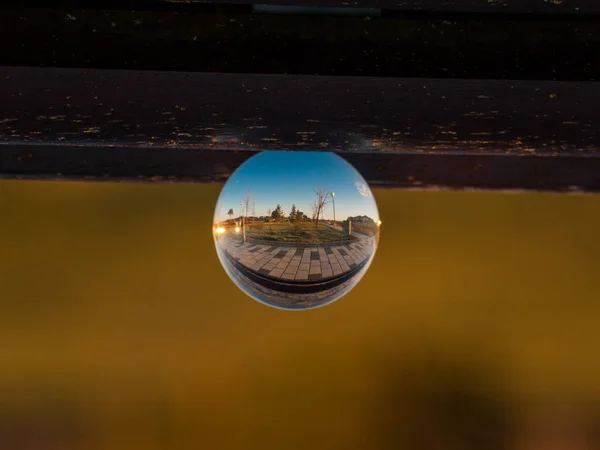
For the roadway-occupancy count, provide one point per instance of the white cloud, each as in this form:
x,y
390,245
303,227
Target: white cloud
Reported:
x,y
363,189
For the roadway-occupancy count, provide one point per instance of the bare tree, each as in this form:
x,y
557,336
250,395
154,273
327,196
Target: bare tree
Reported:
x,y
246,203
319,203
269,218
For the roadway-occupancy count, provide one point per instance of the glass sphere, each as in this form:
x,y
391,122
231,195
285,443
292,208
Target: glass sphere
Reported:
x,y
296,230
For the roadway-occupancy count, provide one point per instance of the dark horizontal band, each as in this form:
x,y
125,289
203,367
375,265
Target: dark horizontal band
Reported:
x,y
270,112
398,170
575,7
473,6
178,127
471,47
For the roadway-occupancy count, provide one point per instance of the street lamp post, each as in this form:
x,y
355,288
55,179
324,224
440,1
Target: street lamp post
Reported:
x,y
333,200
243,223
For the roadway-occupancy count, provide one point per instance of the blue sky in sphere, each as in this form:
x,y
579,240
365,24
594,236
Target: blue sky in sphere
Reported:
x,y
286,178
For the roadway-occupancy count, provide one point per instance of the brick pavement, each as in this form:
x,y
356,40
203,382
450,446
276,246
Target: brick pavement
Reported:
x,y
299,263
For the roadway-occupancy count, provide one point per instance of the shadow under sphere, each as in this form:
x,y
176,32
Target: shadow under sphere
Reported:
x,y
296,230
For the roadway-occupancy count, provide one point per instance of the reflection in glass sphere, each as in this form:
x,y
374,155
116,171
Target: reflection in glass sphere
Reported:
x,y
296,230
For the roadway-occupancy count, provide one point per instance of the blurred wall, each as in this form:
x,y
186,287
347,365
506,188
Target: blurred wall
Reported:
x,y
476,327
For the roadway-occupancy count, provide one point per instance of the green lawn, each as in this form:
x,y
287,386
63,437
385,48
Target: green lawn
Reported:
x,y
304,232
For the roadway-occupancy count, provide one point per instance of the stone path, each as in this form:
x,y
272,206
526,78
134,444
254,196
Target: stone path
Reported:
x,y
299,263
285,300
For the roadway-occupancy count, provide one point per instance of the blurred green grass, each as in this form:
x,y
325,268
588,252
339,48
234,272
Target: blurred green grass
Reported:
x,y
304,232
119,329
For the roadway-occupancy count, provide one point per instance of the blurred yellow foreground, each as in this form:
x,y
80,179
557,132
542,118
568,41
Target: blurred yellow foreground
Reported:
x,y
477,327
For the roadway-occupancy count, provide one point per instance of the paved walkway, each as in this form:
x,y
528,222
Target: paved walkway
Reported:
x,y
299,263
286,300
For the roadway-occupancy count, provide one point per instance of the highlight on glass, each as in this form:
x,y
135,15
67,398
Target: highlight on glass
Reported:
x,y
296,230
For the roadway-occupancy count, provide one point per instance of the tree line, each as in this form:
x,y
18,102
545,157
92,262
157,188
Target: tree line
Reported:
x,y
295,215
278,214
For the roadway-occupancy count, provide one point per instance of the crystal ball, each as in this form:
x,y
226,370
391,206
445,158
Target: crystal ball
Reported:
x,y
296,230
